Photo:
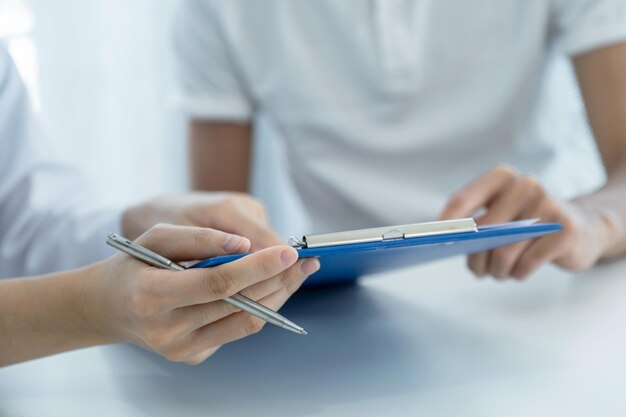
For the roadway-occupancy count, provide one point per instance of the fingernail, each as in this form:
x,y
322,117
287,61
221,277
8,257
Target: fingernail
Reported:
x,y
310,266
288,257
234,242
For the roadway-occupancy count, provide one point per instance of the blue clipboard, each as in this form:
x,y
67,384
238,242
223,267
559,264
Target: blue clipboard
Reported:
x,y
346,262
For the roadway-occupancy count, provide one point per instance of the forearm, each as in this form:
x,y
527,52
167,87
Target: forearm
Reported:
x,y
602,83
44,315
219,156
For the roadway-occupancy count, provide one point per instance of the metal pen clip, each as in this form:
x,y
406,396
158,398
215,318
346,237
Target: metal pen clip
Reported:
x,y
120,242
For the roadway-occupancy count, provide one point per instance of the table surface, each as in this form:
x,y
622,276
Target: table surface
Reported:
x,y
430,340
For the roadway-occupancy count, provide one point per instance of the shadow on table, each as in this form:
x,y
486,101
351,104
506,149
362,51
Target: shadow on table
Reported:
x,y
362,344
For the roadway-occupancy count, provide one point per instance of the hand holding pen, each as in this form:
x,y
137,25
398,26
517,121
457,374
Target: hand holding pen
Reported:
x,y
238,300
181,314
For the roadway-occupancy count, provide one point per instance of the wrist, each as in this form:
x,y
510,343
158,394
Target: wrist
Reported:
x,y
613,231
608,229
91,305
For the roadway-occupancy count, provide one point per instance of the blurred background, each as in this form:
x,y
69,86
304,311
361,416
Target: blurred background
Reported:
x,y
100,76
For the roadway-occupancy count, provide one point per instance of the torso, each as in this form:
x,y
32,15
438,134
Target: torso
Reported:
x,y
386,107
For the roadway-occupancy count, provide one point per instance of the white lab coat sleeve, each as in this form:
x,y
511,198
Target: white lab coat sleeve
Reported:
x,y
47,220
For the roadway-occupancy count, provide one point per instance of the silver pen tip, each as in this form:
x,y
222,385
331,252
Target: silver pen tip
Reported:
x,y
291,326
295,328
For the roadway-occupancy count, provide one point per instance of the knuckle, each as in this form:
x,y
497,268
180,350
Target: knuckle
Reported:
x,y
175,355
496,268
157,339
524,267
548,211
202,238
578,266
195,361
497,271
159,230
254,203
225,309
457,201
293,283
532,258
221,284
531,264
500,258
261,215
199,358
505,170
519,274
153,234
285,280
160,227
472,264
230,201
577,261
290,278
244,198
252,325
294,279
458,197
259,209
570,228
530,183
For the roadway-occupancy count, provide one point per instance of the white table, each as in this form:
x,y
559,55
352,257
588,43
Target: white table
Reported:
x,y
430,341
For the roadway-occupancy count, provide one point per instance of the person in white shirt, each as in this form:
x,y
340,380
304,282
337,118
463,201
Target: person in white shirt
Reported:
x,y
386,108
46,225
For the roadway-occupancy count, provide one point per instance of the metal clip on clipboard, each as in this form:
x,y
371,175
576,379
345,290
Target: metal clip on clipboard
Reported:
x,y
382,234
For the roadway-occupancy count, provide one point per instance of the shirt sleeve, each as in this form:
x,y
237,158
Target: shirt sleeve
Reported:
x,y
47,220
584,25
208,83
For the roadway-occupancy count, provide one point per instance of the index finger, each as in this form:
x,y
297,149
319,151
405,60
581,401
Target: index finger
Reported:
x,y
478,193
204,285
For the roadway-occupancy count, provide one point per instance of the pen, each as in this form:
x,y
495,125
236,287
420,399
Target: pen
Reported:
x,y
240,301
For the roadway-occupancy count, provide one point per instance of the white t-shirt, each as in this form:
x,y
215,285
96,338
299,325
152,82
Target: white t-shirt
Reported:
x,y
48,222
386,107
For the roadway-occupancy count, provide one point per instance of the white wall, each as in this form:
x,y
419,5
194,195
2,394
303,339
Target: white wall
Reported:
x,y
101,76
104,81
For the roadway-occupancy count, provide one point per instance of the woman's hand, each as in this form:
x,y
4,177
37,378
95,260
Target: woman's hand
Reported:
x,y
505,196
236,213
180,314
